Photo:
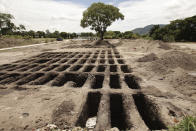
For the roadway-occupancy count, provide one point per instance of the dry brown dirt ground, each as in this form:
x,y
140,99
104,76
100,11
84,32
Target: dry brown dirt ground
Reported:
x,y
138,85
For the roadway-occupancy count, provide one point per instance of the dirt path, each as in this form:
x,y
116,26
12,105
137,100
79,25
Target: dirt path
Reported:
x,y
67,85
19,47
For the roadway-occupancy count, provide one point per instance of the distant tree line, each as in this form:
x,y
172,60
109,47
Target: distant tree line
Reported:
x,y
177,30
121,35
48,34
7,27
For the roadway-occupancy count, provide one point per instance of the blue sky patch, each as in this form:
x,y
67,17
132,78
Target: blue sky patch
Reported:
x,y
89,2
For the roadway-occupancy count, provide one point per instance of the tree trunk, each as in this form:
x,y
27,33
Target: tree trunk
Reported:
x,y
101,36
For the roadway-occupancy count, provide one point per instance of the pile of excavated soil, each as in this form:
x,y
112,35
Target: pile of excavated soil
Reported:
x,y
148,58
183,81
116,42
164,46
102,43
172,60
178,68
142,46
80,42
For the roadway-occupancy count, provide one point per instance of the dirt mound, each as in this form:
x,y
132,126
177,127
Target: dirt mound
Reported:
x,y
174,59
164,46
148,58
183,81
79,42
72,42
141,45
102,43
116,42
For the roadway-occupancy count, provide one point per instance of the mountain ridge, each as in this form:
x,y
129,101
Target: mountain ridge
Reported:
x,y
145,30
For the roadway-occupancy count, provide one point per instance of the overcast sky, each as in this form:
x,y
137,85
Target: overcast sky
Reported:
x,y
65,15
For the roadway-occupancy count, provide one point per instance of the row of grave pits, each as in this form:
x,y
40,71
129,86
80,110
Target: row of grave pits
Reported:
x,y
79,55
70,61
77,80
117,110
58,69
89,46
69,54
48,62
66,68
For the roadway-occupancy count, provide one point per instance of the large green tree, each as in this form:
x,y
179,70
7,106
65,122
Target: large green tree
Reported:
x,y
5,23
7,27
99,16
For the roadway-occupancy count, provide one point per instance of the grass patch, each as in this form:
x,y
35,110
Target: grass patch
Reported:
x,y
12,41
187,124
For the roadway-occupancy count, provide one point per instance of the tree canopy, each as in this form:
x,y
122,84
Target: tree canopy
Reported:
x,y
177,30
99,16
7,27
5,23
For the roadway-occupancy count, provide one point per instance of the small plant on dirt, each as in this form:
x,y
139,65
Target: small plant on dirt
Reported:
x,y
187,124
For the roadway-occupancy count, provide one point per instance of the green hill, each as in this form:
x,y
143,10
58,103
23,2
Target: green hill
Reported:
x,y
145,30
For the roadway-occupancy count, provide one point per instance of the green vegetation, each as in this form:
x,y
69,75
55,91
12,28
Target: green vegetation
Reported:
x,y
121,35
7,27
9,30
178,30
87,34
13,40
187,124
145,30
100,16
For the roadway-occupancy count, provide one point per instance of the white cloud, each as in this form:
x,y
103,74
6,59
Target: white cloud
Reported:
x,y
65,16
145,12
45,14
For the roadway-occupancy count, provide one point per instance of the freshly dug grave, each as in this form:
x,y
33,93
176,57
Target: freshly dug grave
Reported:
x,y
64,105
